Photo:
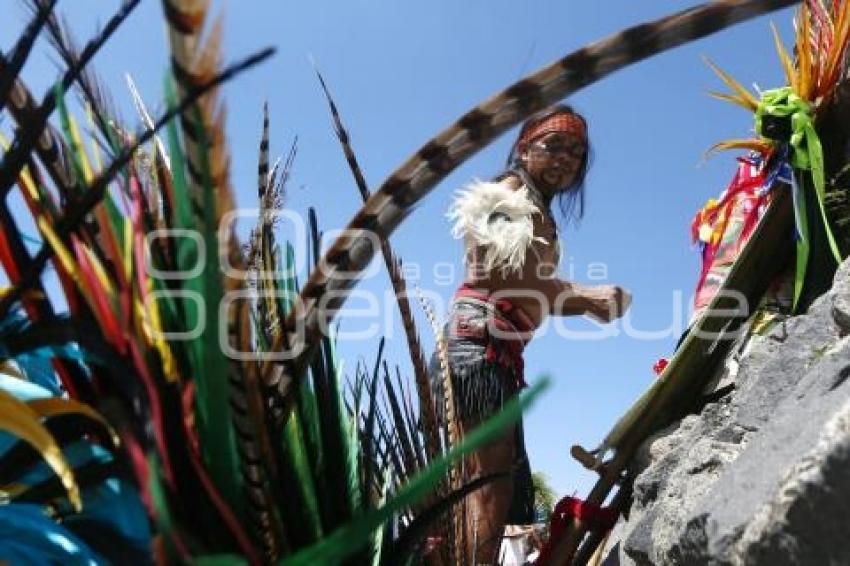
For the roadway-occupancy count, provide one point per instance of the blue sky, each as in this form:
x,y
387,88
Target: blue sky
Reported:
x,y
401,72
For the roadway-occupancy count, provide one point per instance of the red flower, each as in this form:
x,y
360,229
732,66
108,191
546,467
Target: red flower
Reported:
x,y
659,366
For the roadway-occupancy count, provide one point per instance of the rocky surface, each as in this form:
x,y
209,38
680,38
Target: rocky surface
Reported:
x,y
761,476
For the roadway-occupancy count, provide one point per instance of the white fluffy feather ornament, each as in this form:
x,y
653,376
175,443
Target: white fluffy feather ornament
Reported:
x,y
498,219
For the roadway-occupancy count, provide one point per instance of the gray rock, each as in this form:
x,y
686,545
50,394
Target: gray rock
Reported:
x,y
841,299
761,476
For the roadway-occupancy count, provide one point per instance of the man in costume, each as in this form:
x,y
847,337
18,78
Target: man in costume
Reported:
x,y
510,286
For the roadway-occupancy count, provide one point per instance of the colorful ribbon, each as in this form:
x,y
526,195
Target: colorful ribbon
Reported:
x,y
806,154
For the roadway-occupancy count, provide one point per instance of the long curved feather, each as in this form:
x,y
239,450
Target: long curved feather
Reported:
x,y
395,198
66,428
23,422
55,406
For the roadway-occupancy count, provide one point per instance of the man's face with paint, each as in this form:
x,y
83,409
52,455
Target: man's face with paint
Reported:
x,y
553,160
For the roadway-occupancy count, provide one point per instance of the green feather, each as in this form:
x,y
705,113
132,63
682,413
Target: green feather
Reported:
x,y
377,541
347,430
65,120
350,538
297,455
212,395
182,211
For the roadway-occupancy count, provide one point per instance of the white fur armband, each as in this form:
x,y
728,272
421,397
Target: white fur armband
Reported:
x,y
498,219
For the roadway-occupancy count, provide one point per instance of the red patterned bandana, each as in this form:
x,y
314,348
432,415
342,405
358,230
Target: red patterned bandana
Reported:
x,y
561,123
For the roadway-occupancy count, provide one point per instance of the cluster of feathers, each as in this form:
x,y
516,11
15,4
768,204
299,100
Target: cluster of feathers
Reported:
x,y
129,432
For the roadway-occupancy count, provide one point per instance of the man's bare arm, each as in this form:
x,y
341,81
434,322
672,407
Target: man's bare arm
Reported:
x,y
603,302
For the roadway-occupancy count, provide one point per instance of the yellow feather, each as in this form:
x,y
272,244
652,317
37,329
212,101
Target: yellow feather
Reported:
x,y
52,406
761,146
84,156
169,364
737,100
784,58
21,421
98,160
62,253
101,274
128,250
839,44
804,62
743,93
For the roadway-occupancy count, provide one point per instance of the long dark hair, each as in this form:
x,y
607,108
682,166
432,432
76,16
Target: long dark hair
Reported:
x,y
570,198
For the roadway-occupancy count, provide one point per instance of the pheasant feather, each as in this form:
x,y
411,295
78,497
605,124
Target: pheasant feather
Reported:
x,y
395,198
394,269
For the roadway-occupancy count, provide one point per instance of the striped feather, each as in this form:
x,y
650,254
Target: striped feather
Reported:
x,y
394,269
411,182
93,93
263,164
94,194
452,432
28,136
48,145
254,449
22,49
194,59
